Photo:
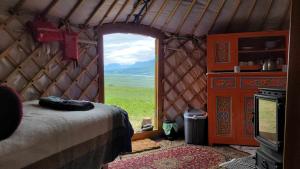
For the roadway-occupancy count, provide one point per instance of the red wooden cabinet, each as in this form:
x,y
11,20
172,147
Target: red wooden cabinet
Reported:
x,y
230,95
230,104
247,50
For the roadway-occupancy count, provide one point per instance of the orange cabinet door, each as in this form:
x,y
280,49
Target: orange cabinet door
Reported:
x,y
221,52
245,122
221,117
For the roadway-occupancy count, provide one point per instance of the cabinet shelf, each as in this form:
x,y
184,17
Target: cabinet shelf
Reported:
x,y
249,50
252,67
262,51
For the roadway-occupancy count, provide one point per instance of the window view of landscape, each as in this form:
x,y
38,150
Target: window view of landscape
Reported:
x,y
129,73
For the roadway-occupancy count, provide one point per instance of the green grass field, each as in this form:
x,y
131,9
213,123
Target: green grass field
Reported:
x,y
135,94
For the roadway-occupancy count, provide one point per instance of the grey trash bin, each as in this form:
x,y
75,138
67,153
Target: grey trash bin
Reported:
x,y
195,127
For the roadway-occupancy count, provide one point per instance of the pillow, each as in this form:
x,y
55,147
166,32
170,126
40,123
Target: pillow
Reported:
x,y
10,111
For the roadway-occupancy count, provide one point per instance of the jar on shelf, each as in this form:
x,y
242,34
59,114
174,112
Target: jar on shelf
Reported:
x,y
271,64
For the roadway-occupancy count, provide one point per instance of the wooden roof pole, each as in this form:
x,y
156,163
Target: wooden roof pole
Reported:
x,y
201,16
78,3
261,27
286,13
121,9
94,12
49,7
217,16
17,7
107,12
233,15
183,20
159,12
169,18
133,10
250,12
149,7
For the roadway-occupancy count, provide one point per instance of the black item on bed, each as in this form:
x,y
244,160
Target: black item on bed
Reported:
x,y
58,103
11,111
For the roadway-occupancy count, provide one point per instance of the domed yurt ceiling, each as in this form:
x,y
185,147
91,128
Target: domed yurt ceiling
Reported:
x,y
197,17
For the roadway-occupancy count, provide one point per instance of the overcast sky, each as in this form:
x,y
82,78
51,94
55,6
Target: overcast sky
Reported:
x,y
128,48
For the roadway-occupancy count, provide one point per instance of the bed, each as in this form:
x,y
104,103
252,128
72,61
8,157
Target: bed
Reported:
x,y
66,139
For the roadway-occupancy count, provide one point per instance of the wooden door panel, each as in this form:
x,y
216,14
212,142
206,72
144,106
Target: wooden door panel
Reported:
x,y
222,128
246,129
221,52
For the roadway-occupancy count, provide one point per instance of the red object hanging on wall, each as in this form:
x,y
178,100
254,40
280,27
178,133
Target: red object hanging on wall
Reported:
x,y
45,31
71,47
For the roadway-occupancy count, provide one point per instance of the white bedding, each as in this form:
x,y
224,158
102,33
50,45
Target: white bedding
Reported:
x,y
44,132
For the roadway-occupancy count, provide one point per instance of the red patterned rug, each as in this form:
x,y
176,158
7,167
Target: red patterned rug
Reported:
x,y
181,157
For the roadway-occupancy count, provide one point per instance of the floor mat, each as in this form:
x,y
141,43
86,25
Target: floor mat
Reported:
x,y
144,145
179,157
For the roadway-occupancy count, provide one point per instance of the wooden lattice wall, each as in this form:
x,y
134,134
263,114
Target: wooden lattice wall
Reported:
x,y
184,77
36,69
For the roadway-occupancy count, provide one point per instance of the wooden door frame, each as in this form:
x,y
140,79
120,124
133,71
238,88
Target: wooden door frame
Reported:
x,y
111,28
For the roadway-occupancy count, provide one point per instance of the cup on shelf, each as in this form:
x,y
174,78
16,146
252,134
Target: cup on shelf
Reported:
x,y
250,63
243,63
236,69
284,68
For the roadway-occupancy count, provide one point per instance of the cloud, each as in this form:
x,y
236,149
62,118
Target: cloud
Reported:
x,y
128,48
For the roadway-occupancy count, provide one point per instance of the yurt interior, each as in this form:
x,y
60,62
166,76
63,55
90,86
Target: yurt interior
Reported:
x,y
149,84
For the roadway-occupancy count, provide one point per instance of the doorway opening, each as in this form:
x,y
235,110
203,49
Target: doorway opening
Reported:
x,y
130,76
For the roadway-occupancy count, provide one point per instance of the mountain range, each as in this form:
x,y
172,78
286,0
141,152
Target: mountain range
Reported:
x,y
138,68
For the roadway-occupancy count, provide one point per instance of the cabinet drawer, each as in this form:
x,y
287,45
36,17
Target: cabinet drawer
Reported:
x,y
263,82
263,161
223,82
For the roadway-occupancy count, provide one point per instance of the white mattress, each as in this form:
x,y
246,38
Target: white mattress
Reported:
x,y
44,132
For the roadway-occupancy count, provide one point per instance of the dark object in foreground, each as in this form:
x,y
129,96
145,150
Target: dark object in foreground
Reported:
x,y
58,103
11,111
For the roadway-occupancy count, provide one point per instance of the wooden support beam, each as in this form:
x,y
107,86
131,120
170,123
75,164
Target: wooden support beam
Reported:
x,y
107,12
221,5
250,12
100,65
171,15
63,70
79,76
291,153
90,42
98,6
201,16
18,67
121,10
135,6
39,73
233,15
49,7
164,4
261,27
15,9
148,9
75,7
286,13
83,93
183,20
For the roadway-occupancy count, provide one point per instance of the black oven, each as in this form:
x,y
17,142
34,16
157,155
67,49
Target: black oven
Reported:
x,y
269,118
